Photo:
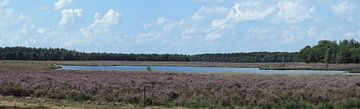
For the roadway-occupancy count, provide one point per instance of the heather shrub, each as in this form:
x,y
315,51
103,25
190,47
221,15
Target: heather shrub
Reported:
x,y
14,89
188,90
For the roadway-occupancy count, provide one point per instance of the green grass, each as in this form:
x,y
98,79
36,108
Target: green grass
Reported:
x,y
38,103
45,103
355,71
285,68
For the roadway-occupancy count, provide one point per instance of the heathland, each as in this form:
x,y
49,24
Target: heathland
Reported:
x,y
35,84
30,78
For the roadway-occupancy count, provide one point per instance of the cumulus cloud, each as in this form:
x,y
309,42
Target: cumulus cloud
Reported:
x,y
9,18
60,4
111,18
343,7
147,36
100,29
102,23
283,11
293,12
209,11
292,34
162,20
242,11
313,32
246,10
220,24
4,2
70,16
352,34
262,33
16,29
213,35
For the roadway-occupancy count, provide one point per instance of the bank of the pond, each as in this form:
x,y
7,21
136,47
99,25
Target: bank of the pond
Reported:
x,y
203,70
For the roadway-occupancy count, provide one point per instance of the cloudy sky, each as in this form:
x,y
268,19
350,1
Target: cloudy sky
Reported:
x,y
177,26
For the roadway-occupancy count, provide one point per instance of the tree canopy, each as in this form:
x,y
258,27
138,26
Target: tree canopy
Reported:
x,y
25,53
345,51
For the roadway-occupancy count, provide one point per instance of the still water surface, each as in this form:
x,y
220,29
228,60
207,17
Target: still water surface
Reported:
x,y
202,70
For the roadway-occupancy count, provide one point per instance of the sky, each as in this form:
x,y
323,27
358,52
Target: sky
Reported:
x,y
177,26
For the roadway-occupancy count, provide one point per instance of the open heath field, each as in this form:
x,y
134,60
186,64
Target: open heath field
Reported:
x,y
178,90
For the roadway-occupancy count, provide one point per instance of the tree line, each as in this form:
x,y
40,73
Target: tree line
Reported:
x,y
26,53
344,51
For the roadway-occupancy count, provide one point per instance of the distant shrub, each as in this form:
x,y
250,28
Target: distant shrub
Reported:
x,y
148,69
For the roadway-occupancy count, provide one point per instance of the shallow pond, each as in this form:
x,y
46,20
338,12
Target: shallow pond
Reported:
x,y
201,70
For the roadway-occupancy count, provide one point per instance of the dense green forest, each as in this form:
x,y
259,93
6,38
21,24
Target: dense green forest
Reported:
x,y
25,53
345,51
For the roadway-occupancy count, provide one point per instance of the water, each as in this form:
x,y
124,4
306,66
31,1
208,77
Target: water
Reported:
x,y
201,70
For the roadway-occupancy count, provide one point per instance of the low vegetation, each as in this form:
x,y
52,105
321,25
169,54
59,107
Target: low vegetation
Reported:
x,y
185,90
11,102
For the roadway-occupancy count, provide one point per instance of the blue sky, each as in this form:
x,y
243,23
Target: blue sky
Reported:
x,y
177,26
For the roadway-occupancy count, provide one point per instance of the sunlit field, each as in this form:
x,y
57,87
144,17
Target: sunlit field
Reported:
x,y
149,89
179,54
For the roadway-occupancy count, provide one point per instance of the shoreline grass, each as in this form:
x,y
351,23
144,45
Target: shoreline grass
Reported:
x,y
284,68
49,65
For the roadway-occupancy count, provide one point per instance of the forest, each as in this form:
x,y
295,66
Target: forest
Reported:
x,y
344,51
26,53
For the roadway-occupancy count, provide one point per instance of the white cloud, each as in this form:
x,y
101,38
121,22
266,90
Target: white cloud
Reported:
x,y
313,32
70,16
111,18
60,4
101,29
246,10
209,11
262,33
293,12
147,36
213,35
148,25
353,34
9,18
344,7
162,20
16,29
220,24
43,30
242,11
290,35
4,2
